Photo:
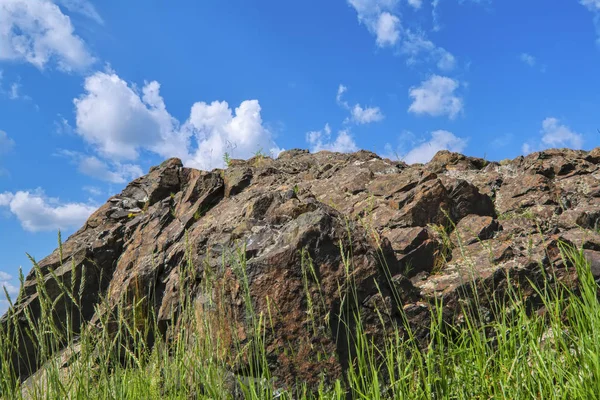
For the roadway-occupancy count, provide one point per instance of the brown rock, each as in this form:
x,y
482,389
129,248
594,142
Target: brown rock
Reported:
x,y
445,160
404,240
466,200
474,228
428,205
279,215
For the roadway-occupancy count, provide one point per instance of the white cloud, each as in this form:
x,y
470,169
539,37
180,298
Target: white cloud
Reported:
x,y
446,61
108,171
415,44
366,115
36,31
382,20
217,131
5,279
5,199
387,29
37,212
415,3
321,140
120,122
528,59
315,136
341,90
96,168
358,114
377,16
436,97
6,143
113,116
440,140
556,135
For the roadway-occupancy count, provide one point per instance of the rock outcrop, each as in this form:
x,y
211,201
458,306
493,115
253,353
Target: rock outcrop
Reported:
x,y
410,233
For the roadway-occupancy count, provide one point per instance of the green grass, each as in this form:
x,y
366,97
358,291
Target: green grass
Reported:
x,y
516,354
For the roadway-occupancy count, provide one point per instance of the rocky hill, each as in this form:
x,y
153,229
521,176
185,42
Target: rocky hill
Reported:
x,y
446,230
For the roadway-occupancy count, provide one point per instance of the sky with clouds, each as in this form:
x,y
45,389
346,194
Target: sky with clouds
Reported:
x,y
94,93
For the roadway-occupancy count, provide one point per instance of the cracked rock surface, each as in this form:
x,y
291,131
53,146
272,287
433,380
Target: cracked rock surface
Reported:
x,y
437,227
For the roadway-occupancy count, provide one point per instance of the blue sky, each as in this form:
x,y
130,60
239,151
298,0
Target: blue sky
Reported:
x,y
94,93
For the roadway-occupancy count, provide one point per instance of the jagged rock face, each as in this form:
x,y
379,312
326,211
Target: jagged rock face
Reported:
x,y
277,214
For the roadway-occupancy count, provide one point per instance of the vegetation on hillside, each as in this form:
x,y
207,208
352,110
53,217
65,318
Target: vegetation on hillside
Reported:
x,y
516,354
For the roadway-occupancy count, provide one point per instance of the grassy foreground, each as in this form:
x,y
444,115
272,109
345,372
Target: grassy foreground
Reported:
x,y
520,355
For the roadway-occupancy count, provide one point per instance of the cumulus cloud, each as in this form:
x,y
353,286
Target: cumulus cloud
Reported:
x,y
436,97
387,29
440,140
366,115
37,32
358,114
218,130
321,140
377,16
37,212
527,59
120,121
5,199
554,134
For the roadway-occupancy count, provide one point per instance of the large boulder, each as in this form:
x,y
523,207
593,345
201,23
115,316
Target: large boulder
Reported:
x,y
291,233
